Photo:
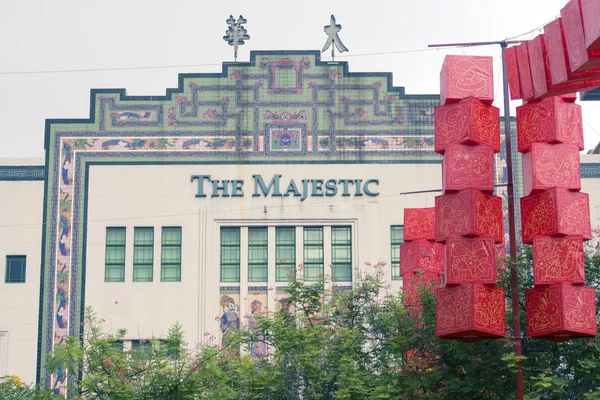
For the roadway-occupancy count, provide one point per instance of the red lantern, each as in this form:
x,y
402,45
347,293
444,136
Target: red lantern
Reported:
x,y
468,121
557,58
470,260
555,212
551,120
470,311
526,82
580,58
468,213
422,257
419,223
590,11
558,260
463,76
468,167
542,76
513,73
561,312
549,165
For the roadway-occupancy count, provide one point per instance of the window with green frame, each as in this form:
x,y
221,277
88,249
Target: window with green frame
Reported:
x,y
396,235
230,254
257,254
15,269
313,253
143,254
114,264
341,253
285,253
170,261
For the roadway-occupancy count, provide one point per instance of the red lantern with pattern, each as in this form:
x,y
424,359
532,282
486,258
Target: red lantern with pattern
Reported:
x,y
561,312
468,167
580,58
422,257
468,121
470,311
469,212
555,212
463,76
470,260
414,284
558,259
549,165
551,120
590,11
419,223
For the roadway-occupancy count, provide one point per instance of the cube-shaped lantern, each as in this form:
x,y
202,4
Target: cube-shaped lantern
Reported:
x,y
590,11
470,260
468,121
555,212
560,312
419,223
524,72
558,59
558,259
414,284
580,58
468,167
542,76
421,256
464,76
549,165
513,73
470,312
551,120
469,213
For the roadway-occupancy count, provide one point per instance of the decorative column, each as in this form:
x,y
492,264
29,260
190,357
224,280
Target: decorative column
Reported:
x,y
421,259
468,216
556,220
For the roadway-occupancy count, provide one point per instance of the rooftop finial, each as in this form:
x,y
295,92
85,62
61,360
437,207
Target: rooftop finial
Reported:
x,y
333,38
236,33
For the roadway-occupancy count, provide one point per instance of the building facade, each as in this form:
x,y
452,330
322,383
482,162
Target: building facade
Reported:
x,y
199,206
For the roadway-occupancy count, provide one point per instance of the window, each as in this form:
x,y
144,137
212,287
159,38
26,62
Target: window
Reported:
x,y
313,253
285,254
257,254
170,262
114,270
15,269
396,235
230,254
143,254
341,254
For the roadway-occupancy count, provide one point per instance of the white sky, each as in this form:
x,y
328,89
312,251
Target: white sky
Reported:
x,y
39,35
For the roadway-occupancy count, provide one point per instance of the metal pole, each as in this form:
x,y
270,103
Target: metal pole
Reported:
x,y
512,235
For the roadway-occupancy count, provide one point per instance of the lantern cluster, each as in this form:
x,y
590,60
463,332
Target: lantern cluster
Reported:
x,y
468,216
563,60
421,259
555,220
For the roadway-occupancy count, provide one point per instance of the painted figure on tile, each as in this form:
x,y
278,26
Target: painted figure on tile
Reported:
x,y
258,348
230,319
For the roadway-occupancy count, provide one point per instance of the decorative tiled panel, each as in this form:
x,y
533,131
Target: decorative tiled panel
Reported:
x,y
22,173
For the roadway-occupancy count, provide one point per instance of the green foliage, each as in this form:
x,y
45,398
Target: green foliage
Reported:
x,y
328,343
11,388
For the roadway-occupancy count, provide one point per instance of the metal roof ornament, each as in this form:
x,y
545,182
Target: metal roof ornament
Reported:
x,y
236,33
333,38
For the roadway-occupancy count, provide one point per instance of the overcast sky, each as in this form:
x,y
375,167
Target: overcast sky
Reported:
x,y
58,35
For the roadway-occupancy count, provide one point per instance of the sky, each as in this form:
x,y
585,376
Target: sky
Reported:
x,y
157,40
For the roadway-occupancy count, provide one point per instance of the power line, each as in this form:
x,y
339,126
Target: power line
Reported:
x,y
64,71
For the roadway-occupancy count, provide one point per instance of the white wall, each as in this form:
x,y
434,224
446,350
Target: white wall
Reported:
x,y
20,234
159,196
